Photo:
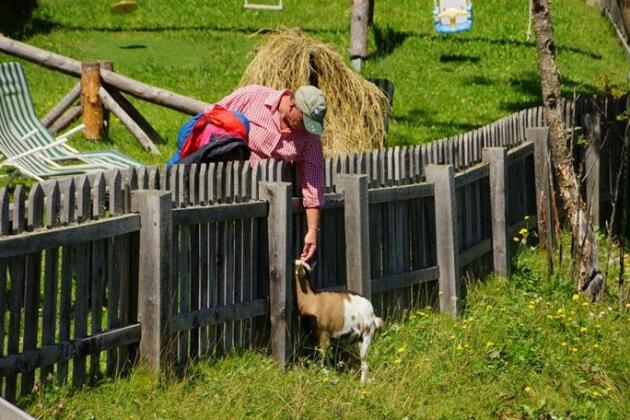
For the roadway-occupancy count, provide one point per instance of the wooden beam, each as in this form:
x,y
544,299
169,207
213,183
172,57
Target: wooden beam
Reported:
x,y
218,315
73,67
49,355
404,280
592,163
471,175
220,213
279,233
540,137
357,232
128,122
447,236
94,126
133,112
66,119
359,19
65,103
496,157
400,193
155,295
29,242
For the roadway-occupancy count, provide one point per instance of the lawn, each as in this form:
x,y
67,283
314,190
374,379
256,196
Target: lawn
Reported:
x,y
525,347
444,84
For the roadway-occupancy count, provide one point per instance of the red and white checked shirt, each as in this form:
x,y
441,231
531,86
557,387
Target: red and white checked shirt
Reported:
x,y
266,140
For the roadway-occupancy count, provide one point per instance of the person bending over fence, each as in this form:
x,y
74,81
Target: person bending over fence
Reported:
x,y
273,124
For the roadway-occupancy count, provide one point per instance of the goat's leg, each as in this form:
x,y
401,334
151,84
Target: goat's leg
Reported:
x,y
364,348
324,343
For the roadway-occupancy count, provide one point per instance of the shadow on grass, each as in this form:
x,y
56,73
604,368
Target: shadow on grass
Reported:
x,y
420,117
387,40
458,58
16,19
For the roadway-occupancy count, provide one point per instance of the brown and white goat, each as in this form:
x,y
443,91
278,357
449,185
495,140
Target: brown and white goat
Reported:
x,y
336,314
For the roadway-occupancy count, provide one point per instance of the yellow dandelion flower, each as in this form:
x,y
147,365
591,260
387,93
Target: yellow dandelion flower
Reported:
x,y
515,239
489,344
574,349
400,350
595,346
397,361
560,311
563,344
528,389
583,329
575,297
523,231
531,306
532,302
526,218
451,336
459,347
596,394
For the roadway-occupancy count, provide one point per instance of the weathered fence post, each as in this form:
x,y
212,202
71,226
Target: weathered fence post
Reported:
x,y
592,166
279,230
542,173
92,106
446,235
106,65
357,228
359,21
155,297
496,157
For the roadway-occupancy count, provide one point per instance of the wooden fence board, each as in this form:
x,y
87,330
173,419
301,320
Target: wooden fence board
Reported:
x,y
51,265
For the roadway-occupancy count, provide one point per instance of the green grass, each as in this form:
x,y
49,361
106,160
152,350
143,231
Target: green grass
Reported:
x,y
444,84
523,348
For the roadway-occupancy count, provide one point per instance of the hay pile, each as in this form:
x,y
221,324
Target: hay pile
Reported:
x,y
356,107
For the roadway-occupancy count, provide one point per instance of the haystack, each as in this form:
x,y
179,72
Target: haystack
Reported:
x,y
288,58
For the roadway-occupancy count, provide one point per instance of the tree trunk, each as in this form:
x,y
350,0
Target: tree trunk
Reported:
x,y
590,281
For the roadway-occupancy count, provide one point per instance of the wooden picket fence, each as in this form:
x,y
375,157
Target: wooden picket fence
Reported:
x,y
166,265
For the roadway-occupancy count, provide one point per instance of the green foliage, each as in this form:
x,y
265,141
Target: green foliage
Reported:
x,y
525,347
445,84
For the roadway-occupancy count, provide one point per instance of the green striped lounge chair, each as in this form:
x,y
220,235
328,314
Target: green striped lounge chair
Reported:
x,y
28,146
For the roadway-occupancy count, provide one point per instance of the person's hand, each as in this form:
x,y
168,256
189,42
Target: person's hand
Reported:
x,y
310,245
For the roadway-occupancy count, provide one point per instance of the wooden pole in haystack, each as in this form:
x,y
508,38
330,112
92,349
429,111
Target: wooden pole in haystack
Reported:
x,y
359,21
589,281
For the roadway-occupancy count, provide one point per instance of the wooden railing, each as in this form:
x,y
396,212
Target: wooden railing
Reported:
x,y
170,264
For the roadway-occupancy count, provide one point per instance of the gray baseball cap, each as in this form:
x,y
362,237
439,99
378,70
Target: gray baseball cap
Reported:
x,y
312,103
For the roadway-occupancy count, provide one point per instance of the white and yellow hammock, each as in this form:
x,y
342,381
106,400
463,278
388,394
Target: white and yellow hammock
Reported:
x,y
452,16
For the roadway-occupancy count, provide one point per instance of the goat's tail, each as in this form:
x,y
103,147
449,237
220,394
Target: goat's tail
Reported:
x,y
378,323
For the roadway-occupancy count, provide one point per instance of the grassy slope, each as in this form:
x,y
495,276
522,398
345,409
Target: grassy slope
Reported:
x,y
523,348
444,84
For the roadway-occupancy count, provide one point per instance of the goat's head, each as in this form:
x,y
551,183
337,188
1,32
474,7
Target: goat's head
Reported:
x,y
302,268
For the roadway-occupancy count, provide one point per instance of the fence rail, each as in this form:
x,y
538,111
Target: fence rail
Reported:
x,y
170,264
